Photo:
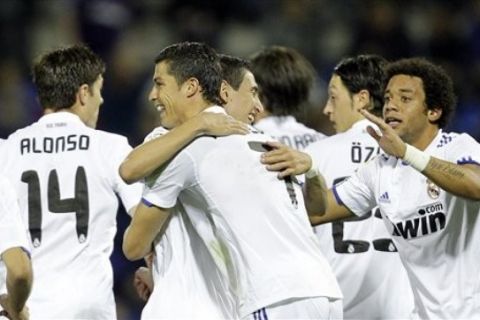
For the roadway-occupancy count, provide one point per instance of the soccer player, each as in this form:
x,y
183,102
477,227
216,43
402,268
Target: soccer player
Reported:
x,y
285,78
379,287
14,255
253,225
66,176
427,186
181,268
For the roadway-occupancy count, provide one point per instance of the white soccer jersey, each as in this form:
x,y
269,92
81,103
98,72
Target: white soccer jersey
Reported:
x,y
437,234
187,283
66,176
362,255
12,232
266,248
289,131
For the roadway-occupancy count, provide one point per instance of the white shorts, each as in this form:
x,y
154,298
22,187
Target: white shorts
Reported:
x,y
301,308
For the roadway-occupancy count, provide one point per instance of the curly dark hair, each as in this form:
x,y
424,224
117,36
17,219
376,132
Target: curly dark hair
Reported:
x,y
59,73
285,79
364,72
197,60
437,84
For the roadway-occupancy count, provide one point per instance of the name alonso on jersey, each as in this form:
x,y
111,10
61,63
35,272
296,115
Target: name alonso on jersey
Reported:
x,y
54,144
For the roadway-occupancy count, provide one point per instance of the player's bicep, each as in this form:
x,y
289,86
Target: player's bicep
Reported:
x,y
147,222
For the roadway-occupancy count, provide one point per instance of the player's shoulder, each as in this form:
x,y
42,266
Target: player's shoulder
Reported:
x,y
155,133
454,138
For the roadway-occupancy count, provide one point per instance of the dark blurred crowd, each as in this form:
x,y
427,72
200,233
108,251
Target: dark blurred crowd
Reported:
x,y
129,33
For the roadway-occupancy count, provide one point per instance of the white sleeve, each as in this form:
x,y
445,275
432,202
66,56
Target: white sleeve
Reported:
x,y
465,150
130,194
164,188
357,191
12,231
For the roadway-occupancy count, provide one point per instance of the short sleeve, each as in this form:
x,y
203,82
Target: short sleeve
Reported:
x,y
357,191
163,189
464,150
129,194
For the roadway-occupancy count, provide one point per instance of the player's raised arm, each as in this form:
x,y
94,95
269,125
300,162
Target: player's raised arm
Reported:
x,y
147,157
459,179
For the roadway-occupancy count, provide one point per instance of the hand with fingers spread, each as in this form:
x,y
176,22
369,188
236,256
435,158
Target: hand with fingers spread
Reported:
x,y
143,282
285,160
219,124
388,140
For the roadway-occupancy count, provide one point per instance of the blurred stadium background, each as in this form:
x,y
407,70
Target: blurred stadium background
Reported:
x,y
129,33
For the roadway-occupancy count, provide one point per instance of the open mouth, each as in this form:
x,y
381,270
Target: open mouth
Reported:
x,y
393,122
160,108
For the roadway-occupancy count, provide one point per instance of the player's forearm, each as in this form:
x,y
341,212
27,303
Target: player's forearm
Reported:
x,y
460,180
19,278
320,202
147,223
133,248
147,157
315,194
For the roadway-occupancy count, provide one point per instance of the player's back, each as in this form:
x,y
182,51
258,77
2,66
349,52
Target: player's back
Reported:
x,y
66,176
360,251
263,237
287,130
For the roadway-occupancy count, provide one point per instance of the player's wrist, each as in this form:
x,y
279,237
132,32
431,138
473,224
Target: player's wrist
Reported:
x,y
313,171
416,158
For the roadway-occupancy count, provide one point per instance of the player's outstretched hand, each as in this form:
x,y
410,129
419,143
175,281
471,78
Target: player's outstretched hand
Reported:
x,y
388,139
9,312
219,124
287,161
143,282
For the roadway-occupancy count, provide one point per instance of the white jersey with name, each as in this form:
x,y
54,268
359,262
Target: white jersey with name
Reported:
x,y
437,234
187,283
362,255
290,132
66,177
254,225
12,232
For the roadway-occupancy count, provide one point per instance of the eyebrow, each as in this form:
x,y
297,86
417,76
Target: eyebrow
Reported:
x,y
401,90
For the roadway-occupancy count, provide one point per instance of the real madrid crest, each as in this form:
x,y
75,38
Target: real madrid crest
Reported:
x,y
433,190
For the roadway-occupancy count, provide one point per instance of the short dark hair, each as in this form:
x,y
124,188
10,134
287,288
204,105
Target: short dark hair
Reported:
x,y
285,79
59,74
197,60
364,72
437,84
233,69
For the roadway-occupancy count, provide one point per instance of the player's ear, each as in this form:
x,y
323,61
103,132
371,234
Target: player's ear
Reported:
x,y
362,99
434,114
83,93
224,91
191,86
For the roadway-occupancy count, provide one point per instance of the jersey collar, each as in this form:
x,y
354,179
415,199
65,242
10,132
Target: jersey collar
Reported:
x,y
61,116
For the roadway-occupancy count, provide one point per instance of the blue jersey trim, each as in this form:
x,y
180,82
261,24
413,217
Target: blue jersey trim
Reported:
x,y
147,203
337,197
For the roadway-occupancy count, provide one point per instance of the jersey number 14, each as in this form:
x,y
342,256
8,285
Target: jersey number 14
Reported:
x,y
78,204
